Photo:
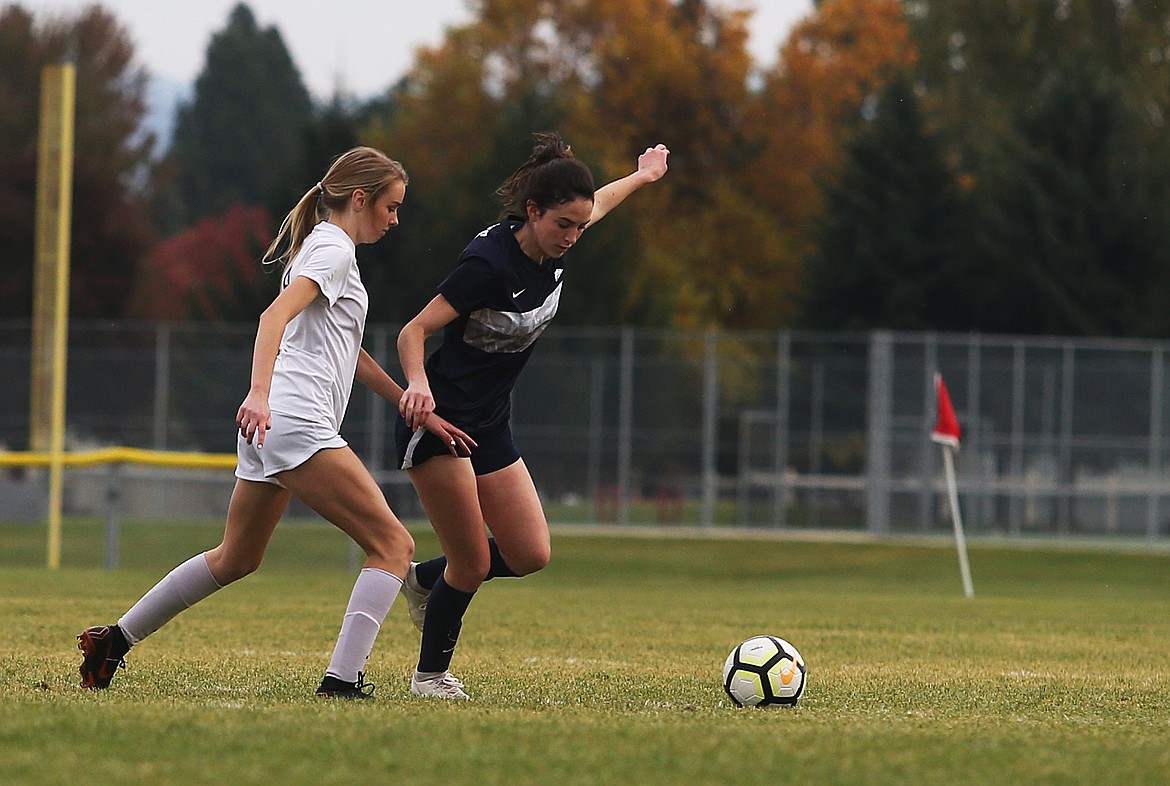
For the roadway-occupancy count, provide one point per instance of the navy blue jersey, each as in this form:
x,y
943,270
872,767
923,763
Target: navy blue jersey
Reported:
x,y
504,300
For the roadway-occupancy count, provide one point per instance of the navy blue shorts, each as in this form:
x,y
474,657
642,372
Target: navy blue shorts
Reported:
x,y
494,450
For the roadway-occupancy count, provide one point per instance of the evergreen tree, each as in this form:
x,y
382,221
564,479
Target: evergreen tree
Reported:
x,y
1071,211
330,130
245,126
981,59
890,249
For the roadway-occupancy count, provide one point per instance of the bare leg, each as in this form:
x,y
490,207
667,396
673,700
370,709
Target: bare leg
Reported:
x,y
452,497
253,513
511,508
513,512
447,488
338,486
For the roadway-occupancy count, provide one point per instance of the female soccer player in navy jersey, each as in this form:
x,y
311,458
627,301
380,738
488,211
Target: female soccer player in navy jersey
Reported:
x,y
491,308
306,357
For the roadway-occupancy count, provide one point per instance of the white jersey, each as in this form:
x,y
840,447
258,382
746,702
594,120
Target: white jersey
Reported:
x,y
315,367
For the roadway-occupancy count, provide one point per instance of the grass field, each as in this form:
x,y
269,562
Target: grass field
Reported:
x,y
605,669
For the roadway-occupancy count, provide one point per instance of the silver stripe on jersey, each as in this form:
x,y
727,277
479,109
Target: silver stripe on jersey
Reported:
x,y
510,331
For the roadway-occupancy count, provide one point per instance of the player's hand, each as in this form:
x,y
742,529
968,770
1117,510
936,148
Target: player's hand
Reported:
x,y
457,441
416,403
652,163
254,418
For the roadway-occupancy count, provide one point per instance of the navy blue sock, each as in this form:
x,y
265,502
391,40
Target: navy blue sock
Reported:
x,y
445,609
428,572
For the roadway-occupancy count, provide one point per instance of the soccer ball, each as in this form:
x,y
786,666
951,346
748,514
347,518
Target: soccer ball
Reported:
x,y
762,671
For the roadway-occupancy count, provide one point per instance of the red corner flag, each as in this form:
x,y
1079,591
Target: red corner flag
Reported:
x,y
946,428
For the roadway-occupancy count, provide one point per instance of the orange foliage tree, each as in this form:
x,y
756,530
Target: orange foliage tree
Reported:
x,y
833,63
614,76
721,239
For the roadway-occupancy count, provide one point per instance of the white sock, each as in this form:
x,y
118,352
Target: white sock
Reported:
x,y
373,595
180,589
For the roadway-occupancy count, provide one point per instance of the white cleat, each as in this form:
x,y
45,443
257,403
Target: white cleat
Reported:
x,y
416,597
443,686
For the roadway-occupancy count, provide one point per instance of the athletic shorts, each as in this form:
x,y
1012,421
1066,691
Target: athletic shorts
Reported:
x,y
289,443
494,450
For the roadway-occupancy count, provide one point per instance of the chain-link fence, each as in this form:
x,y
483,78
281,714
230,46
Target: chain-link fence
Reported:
x,y
782,430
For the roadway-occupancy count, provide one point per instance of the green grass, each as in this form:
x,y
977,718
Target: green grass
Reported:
x,y
605,669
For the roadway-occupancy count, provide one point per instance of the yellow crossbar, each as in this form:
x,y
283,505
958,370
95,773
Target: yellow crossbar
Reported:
x,y
121,455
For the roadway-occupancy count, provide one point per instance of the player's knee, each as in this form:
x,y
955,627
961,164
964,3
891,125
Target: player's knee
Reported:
x,y
531,561
392,545
229,568
468,572
247,568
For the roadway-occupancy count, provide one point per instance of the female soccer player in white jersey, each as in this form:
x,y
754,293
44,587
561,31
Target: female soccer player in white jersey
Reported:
x,y
306,357
492,308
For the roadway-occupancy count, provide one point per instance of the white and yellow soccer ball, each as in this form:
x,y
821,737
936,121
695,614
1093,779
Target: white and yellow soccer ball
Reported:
x,y
764,671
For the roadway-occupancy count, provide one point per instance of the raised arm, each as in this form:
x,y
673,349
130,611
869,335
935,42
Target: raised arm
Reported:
x,y
651,167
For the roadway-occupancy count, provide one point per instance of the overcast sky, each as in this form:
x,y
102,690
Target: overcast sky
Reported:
x,y
362,45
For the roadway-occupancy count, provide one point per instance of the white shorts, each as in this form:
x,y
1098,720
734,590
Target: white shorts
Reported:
x,y
289,443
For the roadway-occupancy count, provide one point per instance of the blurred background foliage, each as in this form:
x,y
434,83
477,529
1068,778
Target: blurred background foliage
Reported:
x,y
954,165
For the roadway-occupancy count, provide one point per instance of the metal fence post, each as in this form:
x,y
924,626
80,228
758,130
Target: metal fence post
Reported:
x,y
781,435
376,436
113,518
1153,499
710,432
596,425
625,425
1064,501
926,448
816,438
974,438
743,441
1016,500
162,383
880,398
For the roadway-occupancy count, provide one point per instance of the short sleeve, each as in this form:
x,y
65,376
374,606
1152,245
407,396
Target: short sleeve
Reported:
x,y
327,264
471,285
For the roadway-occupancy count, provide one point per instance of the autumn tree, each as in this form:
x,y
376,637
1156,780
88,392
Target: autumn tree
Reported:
x,y
613,76
833,63
210,271
438,122
705,253
110,226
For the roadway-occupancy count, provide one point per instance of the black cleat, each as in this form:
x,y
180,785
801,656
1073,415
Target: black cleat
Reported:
x,y
105,650
333,688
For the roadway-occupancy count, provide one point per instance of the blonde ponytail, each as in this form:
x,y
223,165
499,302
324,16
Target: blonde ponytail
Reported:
x,y
361,168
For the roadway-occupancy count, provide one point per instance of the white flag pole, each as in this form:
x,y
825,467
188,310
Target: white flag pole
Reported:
x,y
957,520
